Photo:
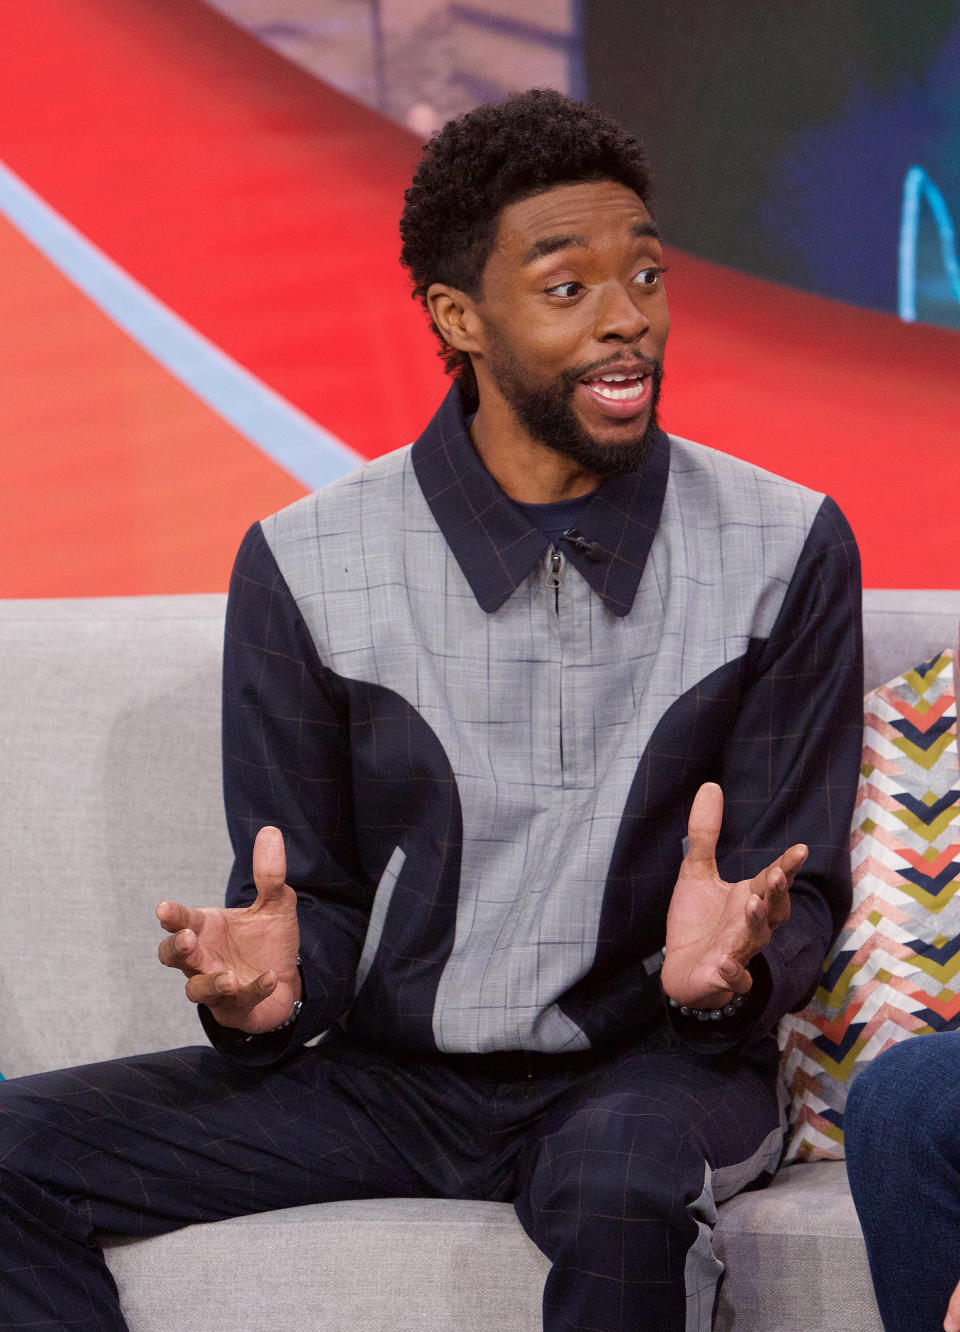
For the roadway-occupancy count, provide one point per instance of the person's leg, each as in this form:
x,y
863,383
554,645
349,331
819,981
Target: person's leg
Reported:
x,y
619,1186
902,1139
140,1146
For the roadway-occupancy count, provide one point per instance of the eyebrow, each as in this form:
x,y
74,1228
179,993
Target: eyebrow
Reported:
x,y
550,244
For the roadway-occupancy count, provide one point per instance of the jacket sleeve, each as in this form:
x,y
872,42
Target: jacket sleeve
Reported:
x,y
791,764
788,769
286,762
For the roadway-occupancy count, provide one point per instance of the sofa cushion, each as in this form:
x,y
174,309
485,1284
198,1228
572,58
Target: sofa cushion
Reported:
x,y
894,970
397,1264
794,1256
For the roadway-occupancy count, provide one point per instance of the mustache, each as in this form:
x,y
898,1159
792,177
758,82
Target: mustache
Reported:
x,y
647,365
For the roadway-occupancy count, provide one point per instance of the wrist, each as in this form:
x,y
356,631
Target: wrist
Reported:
x,y
701,1013
727,1010
288,1021
296,1006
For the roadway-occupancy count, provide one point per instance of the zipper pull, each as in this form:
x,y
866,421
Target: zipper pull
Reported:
x,y
555,572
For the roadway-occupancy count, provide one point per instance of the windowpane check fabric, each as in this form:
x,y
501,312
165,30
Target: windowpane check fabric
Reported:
x,y
484,778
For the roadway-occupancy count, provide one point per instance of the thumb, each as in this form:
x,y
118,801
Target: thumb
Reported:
x,y
703,829
269,865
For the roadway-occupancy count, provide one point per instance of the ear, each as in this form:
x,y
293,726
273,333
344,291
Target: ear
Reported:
x,y
455,315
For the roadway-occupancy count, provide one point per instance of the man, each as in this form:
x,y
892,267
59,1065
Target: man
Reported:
x,y
476,696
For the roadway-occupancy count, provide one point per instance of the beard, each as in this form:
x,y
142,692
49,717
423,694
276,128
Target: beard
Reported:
x,y
547,414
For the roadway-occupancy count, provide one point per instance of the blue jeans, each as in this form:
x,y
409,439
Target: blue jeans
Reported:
x,y
902,1131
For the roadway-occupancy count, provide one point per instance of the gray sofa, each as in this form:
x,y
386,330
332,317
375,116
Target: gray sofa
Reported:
x,y
111,802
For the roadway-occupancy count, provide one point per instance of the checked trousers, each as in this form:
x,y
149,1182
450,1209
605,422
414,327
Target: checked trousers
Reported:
x,y
614,1164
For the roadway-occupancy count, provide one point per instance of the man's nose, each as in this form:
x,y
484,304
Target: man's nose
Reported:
x,y
619,314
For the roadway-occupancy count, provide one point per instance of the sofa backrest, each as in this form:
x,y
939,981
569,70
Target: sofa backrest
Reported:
x,y
110,801
903,627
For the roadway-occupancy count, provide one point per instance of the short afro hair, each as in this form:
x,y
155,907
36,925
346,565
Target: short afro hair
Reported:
x,y
489,158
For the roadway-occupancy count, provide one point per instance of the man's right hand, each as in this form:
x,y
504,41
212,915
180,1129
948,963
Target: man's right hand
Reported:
x,y
241,961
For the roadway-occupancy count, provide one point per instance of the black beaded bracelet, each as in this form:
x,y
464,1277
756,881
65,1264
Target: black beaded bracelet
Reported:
x,y
711,1014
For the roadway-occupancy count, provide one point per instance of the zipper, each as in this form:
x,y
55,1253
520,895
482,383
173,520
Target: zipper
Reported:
x,y
555,577
552,581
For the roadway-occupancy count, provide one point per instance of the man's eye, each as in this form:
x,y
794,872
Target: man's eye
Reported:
x,y
650,277
566,290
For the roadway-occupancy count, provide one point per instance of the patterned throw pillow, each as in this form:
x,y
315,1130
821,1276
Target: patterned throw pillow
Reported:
x,y
894,970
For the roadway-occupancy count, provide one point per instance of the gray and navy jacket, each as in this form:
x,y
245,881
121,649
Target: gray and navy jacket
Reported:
x,y
482,750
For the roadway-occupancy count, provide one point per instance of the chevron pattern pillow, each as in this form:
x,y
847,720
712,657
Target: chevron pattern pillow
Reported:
x,y
894,970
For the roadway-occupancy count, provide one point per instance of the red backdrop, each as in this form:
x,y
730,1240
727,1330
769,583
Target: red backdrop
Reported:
x,y
261,207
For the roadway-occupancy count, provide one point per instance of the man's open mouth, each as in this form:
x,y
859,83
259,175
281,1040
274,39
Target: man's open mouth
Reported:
x,y
617,388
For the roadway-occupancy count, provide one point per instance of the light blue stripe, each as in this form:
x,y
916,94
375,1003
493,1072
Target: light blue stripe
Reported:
x,y
917,185
284,433
519,30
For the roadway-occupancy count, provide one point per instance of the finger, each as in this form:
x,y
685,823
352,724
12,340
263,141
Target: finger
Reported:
x,y
703,828
777,898
223,986
732,975
211,988
757,911
776,883
174,916
778,876
771,887
792,861
269,865
179,950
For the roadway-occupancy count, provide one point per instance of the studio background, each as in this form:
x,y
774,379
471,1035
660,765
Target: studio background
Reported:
x,y
205,316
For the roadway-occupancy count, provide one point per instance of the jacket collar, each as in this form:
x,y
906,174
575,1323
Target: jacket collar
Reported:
x,y
494,544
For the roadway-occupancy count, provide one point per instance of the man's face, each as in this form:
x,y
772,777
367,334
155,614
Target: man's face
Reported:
x,y
574,319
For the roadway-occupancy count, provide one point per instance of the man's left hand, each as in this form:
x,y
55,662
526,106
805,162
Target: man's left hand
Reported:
x,y
714,928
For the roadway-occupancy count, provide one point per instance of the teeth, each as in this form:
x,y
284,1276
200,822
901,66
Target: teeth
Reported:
x,y
617,394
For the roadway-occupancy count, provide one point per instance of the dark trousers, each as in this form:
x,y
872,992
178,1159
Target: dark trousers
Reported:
x,y
613,1166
